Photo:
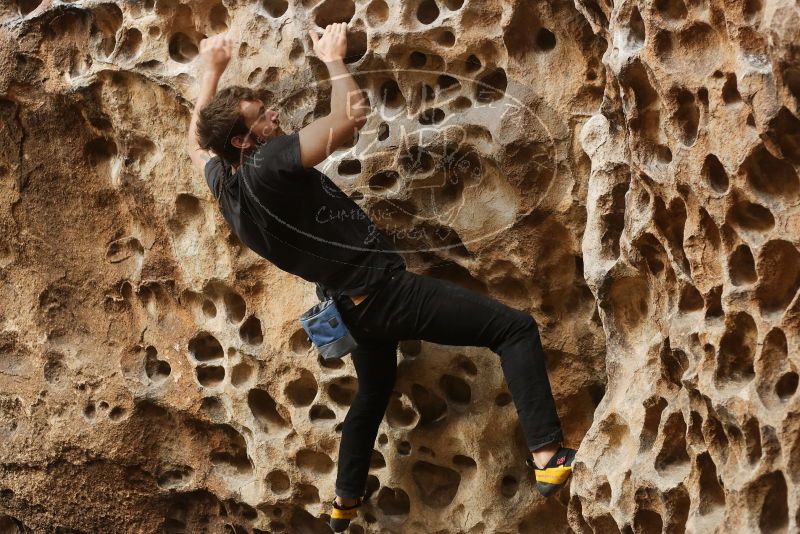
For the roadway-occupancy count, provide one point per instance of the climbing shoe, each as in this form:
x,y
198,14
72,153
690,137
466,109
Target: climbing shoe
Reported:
x,y
342,515
556,473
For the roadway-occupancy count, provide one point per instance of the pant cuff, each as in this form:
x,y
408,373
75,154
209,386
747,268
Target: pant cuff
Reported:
x,y
554,437
348,494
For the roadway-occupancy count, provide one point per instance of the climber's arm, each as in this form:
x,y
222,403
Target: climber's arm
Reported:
x,y
215,53
349,106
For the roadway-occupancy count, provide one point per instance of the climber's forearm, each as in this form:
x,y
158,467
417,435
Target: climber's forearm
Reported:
x,y
348,102
208,88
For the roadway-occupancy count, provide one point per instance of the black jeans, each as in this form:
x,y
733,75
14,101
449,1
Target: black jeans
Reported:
x,y
413,306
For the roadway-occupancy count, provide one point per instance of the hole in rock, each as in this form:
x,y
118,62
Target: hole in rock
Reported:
x,y
687,116
173,478
234,306
614,220
349,167
711,495
393,501
209,309
100,150
491,86
417,59
779,276
416,160
715,438
250,331
431,407
264,409
213,407
647,521
333,11
635,31
455,389
746,215
752,440
465,364
319,412
503,399
390,95
445,82
276,8
278,481
464,462
26,7
404,448
182,48
302,390
509,486
772,177
730,91
131,43
771,491
431,116
741,266
204,347
653,407
427,11
472,63
219,18
55,372
545,39
384,180
690,299
671,9
241,373
356,46
786,386
446,38
673,452
314,461
398,413
736,350
673,363
342,390
377,460
299,342
210,375
383,131
155,369
784,131
377,13
436,485
330,364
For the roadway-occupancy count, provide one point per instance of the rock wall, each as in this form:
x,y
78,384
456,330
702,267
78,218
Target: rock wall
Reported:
x,y
627,174
691,250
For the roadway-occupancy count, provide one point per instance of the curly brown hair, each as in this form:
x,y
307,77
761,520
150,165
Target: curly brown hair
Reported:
x,y
221,120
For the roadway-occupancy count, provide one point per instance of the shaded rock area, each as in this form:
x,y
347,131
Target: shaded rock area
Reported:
x,y
624,171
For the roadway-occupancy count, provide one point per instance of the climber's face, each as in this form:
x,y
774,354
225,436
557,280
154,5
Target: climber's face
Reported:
x,y
263,123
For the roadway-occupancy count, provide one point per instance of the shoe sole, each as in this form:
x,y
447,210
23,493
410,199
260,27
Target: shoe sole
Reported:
x,y
547,489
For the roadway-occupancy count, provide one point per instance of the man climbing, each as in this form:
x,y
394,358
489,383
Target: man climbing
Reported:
x,y
271,195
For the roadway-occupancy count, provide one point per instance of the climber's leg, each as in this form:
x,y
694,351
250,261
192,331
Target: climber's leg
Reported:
x,y
375,361
413,306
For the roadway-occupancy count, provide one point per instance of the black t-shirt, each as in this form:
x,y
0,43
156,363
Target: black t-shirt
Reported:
x,y
299,220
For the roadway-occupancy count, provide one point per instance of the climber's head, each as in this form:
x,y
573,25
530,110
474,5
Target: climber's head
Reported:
x,y
234,122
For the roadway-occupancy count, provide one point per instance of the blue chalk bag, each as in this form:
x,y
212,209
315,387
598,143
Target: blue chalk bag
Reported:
x,y
325,328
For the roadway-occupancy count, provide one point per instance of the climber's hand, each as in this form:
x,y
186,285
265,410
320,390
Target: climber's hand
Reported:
x,y
332,46
215,53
